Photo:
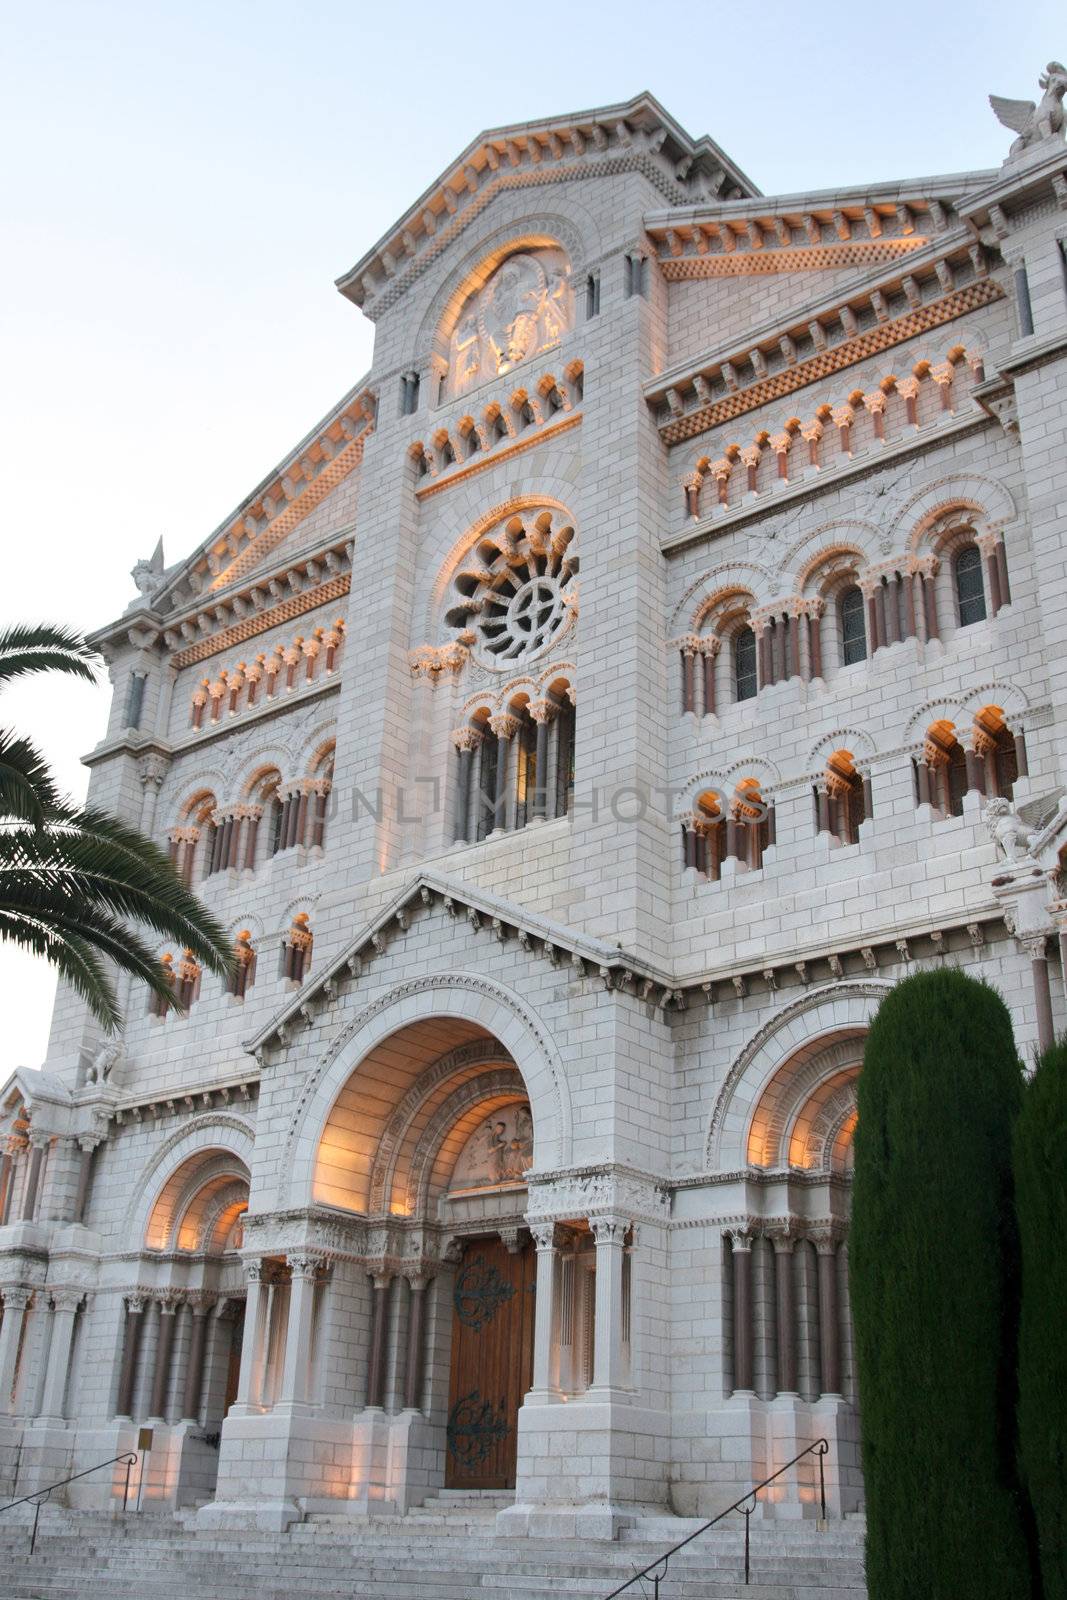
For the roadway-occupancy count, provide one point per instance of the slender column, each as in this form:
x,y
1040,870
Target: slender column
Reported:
x,y
9,1189
785,1313
251,835
545,1389
194,1369
296,1369
908,582
131,1346
993,578
1002,572
318,818
825,824
1063,956
16,1300
975,771
85,1174
382,1282
168,1311
922,772
610,1234
225,842
416,1320
742,1264
734,836
1034,946
881,636
301,818
253,1345
38,1143
283,826
541,713
766,661
1020,754
709,677
868,796
6,1169
465,755
504,728
815,644
872,624
892,610
930,606
791,664
687,680
65,1305
829,1339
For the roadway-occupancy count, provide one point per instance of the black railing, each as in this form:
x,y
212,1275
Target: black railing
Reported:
x,y
657,1569
39,1496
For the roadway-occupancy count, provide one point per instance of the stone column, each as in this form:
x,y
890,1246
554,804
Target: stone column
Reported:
x,y
825,823
1002,572
503,728
296,1369
815,639
38,1145
608,1371
928,572
541,713
785,1313
1034,945
382,1282
131,1346
168,1314
87,1144
687,678
975,771
545,1389
7,1166
881,629
829,1339
16,1301
253,1345
417,1282
65,1305
741,1256
194,1368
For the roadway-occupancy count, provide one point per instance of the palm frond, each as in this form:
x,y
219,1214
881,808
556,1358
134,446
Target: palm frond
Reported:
x,y
26,787
73,958
40,647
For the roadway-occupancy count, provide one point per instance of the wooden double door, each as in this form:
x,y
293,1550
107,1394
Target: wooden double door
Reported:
x,y
492,1363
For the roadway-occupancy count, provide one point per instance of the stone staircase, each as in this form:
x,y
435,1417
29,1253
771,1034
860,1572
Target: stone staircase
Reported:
x,y
447,1550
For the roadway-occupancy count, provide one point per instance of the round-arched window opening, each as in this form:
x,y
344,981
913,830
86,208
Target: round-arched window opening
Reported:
x,y
517,588
970,590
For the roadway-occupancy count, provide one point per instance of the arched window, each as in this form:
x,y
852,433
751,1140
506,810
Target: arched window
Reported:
x,y
970,590
244,964
158,1004
296,949
997,748
853,626
942,773
746,682
189,973
843,799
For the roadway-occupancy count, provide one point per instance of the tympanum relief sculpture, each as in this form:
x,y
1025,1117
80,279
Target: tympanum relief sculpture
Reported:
x,y
527,305
498,1151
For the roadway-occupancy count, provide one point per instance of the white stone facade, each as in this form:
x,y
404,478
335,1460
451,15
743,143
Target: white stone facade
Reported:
x,y
513,810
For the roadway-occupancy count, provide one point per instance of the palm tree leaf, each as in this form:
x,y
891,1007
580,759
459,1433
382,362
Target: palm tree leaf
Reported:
x,y
97,860
73,958
40,647
26,788
108,937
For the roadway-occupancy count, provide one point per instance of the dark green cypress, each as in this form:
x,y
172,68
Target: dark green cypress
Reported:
x,y
1041,1203
933,1274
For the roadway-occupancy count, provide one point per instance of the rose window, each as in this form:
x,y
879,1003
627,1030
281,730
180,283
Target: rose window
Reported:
x,y
517,588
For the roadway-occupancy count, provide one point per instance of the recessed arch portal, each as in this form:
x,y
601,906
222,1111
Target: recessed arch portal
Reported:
x,y
199,1207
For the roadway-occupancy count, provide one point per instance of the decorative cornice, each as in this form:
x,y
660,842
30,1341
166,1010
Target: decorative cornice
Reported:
x,y
636,136
544,433
249,627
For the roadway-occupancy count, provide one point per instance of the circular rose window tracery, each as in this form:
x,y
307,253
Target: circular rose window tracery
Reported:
x,y
517,588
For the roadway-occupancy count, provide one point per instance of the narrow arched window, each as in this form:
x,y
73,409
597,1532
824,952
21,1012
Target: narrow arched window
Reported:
x,y
745,680
970,591
853,626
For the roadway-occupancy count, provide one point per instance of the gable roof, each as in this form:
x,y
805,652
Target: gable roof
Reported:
x,y
637,134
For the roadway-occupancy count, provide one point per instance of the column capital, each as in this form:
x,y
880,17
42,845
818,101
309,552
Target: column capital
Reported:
x,y
826,1237
64,1299
545,1235
39,1138
542,711
16,1297
504,725
466,738
609,1229
309,1266
1035,944
742,1238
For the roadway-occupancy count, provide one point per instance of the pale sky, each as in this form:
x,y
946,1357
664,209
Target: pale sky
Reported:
x,y
183,182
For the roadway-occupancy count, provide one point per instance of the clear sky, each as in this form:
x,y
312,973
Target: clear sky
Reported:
x,y
183,182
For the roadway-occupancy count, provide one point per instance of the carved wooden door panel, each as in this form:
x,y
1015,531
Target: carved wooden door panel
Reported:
x,y
492,1363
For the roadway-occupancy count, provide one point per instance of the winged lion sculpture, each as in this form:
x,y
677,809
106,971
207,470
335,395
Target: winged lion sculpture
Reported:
x,y
1035,122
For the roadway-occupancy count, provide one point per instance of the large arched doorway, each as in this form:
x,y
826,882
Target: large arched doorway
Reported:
x,y
431,1137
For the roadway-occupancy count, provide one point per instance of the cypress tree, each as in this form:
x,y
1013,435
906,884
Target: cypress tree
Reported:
x,y
933,1262
1041,1203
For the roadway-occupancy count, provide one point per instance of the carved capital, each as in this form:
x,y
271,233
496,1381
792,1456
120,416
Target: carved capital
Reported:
x,y
16,1297
504,725
466,738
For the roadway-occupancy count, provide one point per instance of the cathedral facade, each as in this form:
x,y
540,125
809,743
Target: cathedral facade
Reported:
x,y
653,659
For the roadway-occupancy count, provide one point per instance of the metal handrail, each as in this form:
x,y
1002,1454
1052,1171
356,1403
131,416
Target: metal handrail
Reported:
x,y
39,1496
820,1448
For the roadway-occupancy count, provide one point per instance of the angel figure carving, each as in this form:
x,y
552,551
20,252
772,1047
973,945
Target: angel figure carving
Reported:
x,y
1035,122
1008,830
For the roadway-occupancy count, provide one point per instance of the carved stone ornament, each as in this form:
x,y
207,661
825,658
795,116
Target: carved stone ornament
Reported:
x,y
526,305
1034,123
1009,832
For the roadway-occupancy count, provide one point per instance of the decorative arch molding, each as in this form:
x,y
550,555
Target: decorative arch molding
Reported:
x,y
815,1017
861,745
1012,700
256,764
204,1135
313,746
792,1101
490,1087
803,558
976,496
479,1052
537,231
747,577
754,767
460,995
473,531
951,710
